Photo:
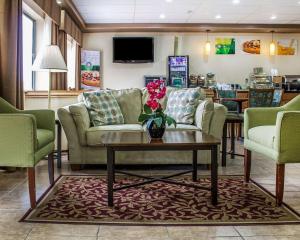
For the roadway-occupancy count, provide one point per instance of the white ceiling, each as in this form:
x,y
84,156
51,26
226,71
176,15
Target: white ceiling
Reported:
x,y
189,11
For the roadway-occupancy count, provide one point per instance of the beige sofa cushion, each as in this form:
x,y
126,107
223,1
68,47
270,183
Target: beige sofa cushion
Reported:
x,y
94,134
130,102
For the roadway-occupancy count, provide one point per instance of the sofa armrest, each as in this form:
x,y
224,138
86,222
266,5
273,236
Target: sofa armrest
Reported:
x,y
75,115
203,115
218,120
45,119
287,136
254,117
17,140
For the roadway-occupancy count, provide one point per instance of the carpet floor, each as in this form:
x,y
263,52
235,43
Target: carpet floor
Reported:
x,y
83,199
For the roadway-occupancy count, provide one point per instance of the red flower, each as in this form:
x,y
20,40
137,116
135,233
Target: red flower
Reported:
x,y
157,91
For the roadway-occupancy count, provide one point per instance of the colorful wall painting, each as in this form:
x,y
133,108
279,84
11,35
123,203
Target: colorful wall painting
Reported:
x,y
90,69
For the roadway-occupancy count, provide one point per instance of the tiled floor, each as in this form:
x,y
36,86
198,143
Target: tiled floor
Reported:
x,y
14,202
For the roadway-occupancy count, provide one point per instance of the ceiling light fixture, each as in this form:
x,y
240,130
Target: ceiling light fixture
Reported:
x,y
235,2
207,44
169,1
59,1
218,16
162,16
272,45
273,17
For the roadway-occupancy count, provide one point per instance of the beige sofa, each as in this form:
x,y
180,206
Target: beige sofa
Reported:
x,y
82,137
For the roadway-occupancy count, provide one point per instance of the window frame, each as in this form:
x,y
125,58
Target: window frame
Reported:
x,y
34,46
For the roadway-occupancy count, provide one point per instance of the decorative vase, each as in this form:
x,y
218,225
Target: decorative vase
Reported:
x,y
154,131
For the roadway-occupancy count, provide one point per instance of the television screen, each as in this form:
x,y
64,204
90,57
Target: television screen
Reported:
x,y
133,49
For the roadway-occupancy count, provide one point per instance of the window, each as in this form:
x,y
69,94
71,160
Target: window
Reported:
x,y
28,52
71,62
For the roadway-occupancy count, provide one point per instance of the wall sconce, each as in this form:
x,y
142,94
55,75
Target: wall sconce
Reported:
x,y
272,46
207,45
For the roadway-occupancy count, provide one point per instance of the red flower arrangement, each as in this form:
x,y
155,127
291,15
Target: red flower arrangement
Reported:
x,y
153,113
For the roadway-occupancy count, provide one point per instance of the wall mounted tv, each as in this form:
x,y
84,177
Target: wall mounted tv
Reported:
x,y
133,49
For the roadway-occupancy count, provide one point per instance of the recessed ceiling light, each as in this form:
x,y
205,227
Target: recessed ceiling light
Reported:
x,y
59,1
273,17
162,16
169,1
235,1
218,16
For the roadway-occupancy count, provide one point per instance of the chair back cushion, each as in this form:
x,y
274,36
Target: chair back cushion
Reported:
x,y
103,108
260,97
182,104
231,106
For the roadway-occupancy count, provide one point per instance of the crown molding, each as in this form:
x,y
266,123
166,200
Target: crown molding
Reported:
x,y
71,9
192,27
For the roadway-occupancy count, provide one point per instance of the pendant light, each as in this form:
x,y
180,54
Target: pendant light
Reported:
x,y
207,45
272,46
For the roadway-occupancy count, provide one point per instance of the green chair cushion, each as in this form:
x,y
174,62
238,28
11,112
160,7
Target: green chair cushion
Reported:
x,y
264,135
44,137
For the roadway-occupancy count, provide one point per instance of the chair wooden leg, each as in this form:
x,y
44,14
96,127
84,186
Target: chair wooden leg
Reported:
x,y
280,169
224,145
51,168
232,137
31,186
247,165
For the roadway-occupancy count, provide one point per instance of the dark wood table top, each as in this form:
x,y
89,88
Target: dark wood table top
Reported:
x,y
234,99
170,138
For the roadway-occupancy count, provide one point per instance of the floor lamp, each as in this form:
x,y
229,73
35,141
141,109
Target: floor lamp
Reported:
x,y
50,59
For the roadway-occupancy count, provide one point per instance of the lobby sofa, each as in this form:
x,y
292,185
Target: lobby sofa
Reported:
x,y
84,140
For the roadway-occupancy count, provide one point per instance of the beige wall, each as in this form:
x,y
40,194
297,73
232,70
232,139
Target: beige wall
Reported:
x,y
228,68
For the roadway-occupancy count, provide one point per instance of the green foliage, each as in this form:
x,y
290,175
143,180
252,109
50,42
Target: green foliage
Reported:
x,y
158,116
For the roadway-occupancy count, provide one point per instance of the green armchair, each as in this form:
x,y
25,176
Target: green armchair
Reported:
x,y
26,137
275,133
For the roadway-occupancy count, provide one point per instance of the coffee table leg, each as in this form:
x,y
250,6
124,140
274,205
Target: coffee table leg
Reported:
x,y
214,175
195,165
110,176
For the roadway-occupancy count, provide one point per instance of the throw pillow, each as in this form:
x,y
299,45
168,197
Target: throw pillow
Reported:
x,y
182,104
103,108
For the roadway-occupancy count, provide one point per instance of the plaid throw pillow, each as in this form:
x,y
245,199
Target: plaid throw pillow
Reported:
x,y
103,108
182,105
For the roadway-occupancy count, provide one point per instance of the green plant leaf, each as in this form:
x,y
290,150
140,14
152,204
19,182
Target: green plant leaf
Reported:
x,y
158,122
147,109
171,121
144,117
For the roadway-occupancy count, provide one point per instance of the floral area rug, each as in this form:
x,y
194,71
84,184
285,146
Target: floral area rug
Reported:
x,y
83,199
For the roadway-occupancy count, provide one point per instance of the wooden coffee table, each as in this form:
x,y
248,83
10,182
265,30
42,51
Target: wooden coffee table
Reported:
x,y
172,141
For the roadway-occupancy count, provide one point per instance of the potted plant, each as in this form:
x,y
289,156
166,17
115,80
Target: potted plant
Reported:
x,y
153,114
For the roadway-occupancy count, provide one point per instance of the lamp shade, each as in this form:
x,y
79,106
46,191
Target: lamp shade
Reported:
x,y
50,59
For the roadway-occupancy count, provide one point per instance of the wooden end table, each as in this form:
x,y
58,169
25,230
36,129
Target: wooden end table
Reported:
x,y
172,141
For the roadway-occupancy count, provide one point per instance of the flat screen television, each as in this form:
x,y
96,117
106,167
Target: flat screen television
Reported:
x,y
133,49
